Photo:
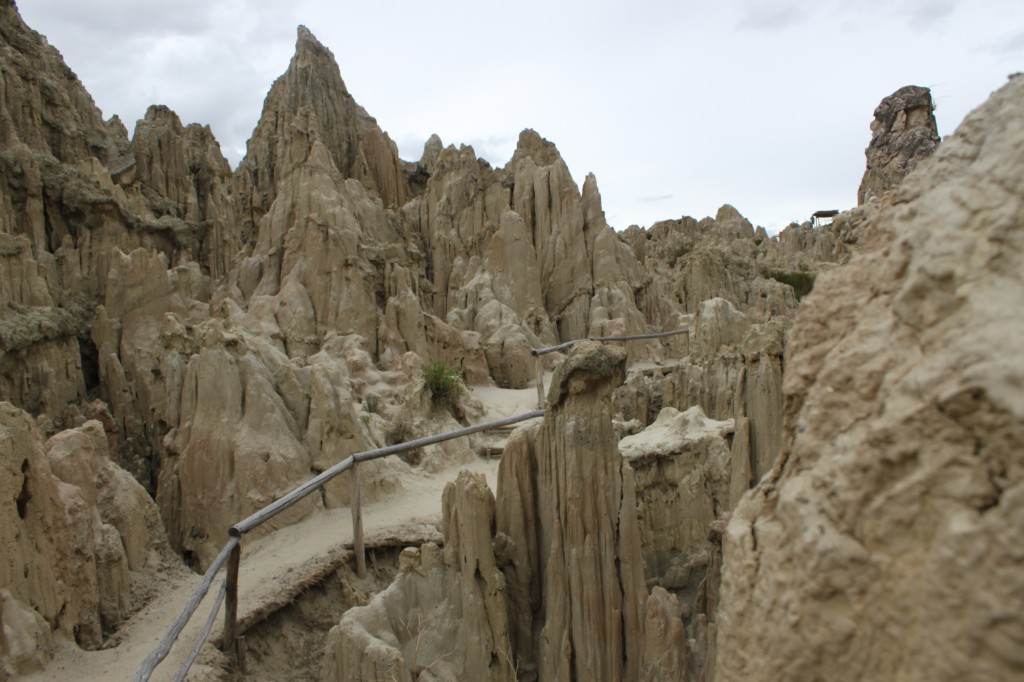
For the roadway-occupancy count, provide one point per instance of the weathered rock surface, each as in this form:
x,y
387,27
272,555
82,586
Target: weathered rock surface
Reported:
x,y
886,541
308,104
682,466
548,582
903,133
688,478
79,536
444,616
567,504
249,329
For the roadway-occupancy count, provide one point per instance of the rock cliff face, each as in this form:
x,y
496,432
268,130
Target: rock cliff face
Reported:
x,y
903,133
547,582
899,494
444,616
244,330
591,563
569,509
80,540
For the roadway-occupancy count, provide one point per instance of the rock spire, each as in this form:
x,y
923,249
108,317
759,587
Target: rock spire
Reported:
x,y
902,134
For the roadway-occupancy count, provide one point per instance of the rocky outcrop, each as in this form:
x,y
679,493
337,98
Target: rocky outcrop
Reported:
x,y
690,471
903,133
567,505
899,495
547,582
183,176
308,104
444,616
80,539
682,465
43,105
733,370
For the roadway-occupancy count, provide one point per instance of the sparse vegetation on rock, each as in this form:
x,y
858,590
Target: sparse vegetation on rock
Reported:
x,y
802,282
445,382
181,344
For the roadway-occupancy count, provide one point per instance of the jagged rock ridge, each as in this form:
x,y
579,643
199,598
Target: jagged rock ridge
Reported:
x,y
885,544
248,329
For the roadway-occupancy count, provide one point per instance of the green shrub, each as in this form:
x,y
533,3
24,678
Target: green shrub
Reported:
x,y
802,282
678,252
444,382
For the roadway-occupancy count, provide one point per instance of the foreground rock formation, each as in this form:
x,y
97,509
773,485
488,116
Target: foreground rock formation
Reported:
x,y
588,565
174,330
82,541
886,542
444,616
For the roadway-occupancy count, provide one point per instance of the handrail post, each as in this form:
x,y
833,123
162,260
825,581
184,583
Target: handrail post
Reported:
x,y
357,522
229,644
539,363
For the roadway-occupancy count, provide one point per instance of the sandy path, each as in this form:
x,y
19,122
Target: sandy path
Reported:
x,y
273,569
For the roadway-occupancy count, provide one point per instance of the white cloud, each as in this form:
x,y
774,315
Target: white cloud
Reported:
x,y
762,105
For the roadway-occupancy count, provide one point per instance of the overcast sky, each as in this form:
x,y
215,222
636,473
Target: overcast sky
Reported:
x,y
676,106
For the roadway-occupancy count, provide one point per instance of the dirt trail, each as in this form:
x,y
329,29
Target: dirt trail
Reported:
x,y
277,567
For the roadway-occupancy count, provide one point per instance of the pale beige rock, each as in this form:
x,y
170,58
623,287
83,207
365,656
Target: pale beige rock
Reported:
x,y
682,466
664,655
898,497
310,102
444,617
182,174
26,644
35,537
71,547
582,561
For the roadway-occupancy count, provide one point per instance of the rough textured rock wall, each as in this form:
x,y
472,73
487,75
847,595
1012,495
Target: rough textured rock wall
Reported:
x,y
686,476
732,370
567,505
182,175
310,102
444,616
547,582
80,539
902,134
886,542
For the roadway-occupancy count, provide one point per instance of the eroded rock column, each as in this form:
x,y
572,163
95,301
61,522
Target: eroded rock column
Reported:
x,y
567,504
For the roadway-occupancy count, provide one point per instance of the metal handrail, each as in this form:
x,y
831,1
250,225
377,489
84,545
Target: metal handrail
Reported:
x,y
231,551
158,654
634,337
538,352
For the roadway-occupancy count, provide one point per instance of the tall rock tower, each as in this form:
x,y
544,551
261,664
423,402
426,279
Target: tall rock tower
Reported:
x,y
903,133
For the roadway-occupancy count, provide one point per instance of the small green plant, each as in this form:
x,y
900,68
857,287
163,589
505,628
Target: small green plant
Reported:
x,y
802,282
678,252
444,382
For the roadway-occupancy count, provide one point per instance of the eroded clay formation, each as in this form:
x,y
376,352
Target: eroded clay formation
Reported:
x,y
181,344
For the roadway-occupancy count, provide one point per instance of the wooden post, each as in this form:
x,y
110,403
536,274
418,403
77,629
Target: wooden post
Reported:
x,y
231,602
357,523
540,381
240,649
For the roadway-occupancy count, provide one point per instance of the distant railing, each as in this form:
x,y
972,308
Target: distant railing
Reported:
x,y
232,551
538,352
